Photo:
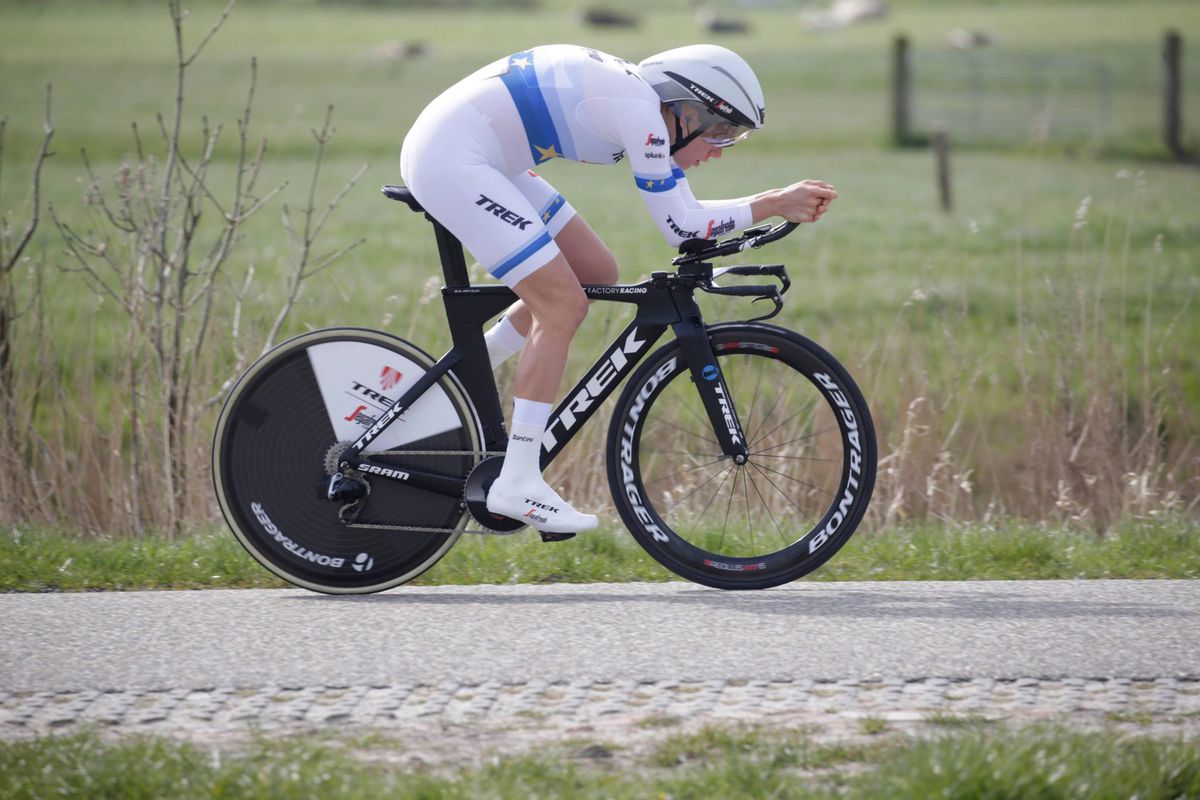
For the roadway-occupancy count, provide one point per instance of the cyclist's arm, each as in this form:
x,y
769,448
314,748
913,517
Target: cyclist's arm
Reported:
x,y
748,199
761,205
676,212
804,201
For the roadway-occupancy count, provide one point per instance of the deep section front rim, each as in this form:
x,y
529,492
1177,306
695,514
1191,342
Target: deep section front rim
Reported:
x,y
803,489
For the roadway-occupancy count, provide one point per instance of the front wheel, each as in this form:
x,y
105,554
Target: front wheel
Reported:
x,y
803,489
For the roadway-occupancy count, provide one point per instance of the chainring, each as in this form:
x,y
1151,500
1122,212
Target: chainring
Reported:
x,y
478,483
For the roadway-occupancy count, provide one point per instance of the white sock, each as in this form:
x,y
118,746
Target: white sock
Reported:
x,y
519,491
523,459
531,412
503,342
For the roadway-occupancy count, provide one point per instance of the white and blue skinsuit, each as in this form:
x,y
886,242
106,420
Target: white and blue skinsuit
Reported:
x,y
468,158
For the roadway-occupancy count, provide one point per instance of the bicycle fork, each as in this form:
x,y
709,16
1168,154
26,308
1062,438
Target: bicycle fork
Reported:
x,y
710,383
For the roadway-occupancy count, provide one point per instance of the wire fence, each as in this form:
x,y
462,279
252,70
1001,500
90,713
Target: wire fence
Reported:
x,y
996,95
979,96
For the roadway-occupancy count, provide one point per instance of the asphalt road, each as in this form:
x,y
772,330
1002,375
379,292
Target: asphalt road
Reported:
x,y
822,631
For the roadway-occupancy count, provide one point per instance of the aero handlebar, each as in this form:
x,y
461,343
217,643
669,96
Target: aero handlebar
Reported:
x,y
696,250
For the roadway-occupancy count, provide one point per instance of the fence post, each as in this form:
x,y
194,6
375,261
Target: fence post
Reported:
x,y
941,151
901,91
1173,93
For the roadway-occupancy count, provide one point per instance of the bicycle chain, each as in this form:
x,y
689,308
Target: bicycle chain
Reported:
x,y
484,453
420,529
481,453
409,529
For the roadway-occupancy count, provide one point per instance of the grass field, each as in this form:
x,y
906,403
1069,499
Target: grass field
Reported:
x,y
1033,353
46,561
970,759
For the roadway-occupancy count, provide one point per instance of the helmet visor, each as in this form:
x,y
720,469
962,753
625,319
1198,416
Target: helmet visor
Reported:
x,y
714,128
726,134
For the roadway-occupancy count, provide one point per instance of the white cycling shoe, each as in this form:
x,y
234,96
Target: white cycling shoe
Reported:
x,y
538,506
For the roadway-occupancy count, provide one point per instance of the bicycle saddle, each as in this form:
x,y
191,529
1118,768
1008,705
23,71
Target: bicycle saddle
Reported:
x,y
402,194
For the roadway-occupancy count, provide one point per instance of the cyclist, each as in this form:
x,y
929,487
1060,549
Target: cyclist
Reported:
x,y
468,159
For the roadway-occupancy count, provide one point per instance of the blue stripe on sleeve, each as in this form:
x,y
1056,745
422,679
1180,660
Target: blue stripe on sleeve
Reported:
x,y
654,183
677,173
525,251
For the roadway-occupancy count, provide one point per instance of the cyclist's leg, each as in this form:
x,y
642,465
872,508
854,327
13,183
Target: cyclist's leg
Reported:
x,y
588,256
590,259
556,306
503,230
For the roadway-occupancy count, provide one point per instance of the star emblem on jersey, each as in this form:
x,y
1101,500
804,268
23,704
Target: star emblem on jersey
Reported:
x,y
547,153
520,62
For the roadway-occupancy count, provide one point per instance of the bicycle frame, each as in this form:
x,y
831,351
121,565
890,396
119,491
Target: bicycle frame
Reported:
x,y
666,300
663,301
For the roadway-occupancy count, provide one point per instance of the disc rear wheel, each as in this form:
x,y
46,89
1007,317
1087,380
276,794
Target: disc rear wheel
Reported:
x,y
279,437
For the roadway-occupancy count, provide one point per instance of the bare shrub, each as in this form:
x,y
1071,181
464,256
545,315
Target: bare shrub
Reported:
x,y
22,340
156,244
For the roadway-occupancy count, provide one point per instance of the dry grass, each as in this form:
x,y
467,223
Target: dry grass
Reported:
x,y
1097,426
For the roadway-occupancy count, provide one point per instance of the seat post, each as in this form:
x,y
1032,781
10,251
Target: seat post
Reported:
x,y
450,251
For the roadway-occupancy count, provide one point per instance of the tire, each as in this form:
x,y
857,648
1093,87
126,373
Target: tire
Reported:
x,y
281,423
798,498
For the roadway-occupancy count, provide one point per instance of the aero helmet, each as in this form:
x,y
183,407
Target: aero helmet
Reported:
x,y
715,81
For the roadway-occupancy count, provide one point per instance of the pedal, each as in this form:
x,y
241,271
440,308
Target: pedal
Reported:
x,y
550,536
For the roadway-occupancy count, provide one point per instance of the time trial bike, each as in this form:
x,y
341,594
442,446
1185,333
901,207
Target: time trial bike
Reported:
x,y
740,455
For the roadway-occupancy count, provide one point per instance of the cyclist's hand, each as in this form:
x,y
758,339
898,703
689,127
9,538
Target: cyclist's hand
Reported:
x,y
805,201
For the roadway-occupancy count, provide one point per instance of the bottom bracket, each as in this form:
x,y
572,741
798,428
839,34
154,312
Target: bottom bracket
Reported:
x,y
478,483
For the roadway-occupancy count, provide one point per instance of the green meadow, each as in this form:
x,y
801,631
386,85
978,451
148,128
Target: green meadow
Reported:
x,y
1030,354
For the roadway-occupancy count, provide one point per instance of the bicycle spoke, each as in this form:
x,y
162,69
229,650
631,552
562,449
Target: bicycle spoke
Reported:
x,y
728,506
752,437
746,500
821,432
798,458
703,420
790,478
724,472
706,426
785,422
754,401
677,473
785,495
767,508
697,488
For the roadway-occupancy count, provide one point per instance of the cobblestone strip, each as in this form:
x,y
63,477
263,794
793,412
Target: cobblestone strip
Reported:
x,y
22,713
